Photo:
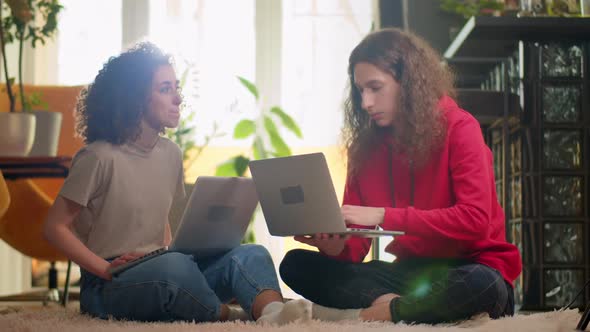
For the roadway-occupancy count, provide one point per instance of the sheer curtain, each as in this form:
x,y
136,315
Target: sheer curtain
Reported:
x,y
218,39
213,41
89,33
318,36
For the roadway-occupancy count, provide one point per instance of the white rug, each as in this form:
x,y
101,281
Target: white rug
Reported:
x,y
55,318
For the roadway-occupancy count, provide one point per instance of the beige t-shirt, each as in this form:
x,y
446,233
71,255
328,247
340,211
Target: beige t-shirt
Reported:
x,y
126,192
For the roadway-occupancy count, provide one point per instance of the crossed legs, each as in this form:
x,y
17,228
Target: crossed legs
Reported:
x,y
421,291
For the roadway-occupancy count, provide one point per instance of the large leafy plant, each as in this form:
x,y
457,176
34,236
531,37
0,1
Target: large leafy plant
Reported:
x,y
29,20
266,141
265,135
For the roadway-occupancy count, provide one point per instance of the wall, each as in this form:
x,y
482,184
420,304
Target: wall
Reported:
x,y
423,17
15,270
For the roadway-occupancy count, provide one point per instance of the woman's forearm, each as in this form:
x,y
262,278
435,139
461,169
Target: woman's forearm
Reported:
x,y
58,232
64,239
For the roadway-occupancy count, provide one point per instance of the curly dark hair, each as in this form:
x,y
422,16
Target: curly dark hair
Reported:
x,y
111,107
423,80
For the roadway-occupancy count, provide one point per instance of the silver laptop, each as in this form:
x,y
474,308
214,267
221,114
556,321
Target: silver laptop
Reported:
x,y
297,197
215,219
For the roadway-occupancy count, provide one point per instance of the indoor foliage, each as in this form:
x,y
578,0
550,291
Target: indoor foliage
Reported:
x,y
267,141
28,20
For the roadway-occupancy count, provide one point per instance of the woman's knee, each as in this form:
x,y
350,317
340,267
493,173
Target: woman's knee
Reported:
x,y
485,286
254,249
252,256
172,266
250,251
293,256
293,264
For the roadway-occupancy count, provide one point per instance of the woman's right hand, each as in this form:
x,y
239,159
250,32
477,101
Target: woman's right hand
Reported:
x,y
330,244
119,261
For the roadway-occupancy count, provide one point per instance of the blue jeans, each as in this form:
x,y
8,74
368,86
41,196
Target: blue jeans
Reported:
x,y
431,290
176,286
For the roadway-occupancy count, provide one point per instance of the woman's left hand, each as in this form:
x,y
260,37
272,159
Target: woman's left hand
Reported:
x,y
363,215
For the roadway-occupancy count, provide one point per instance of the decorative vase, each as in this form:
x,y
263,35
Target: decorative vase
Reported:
x,y
46,133
17,133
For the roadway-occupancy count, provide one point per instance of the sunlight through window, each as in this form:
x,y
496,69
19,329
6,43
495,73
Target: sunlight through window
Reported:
x,y
318,36
214,40
86,41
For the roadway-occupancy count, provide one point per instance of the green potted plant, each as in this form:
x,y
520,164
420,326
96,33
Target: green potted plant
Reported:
x,y
468,8
263,130
266,139
465,9
31,21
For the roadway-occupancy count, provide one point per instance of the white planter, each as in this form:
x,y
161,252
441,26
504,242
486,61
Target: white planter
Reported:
x,y
47,132
17,133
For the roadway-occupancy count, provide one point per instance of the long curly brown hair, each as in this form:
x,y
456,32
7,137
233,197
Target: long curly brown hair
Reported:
x,y
111,107
423,80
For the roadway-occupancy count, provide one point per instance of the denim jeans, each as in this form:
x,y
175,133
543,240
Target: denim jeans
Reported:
x,y
431,290
176,286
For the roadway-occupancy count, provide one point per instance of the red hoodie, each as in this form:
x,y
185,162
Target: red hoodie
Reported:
x,y
455,214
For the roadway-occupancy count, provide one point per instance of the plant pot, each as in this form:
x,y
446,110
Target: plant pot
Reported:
x,y
46,133
17,133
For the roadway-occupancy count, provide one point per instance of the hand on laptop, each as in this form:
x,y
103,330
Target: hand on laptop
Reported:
x,y
363,215
125,258
330,244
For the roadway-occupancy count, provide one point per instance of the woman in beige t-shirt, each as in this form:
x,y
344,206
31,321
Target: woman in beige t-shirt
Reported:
x,y
114,205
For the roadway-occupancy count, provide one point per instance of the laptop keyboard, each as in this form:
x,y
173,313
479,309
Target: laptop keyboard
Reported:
x,y
120,268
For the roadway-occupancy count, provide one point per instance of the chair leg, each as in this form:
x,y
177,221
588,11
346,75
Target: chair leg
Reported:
x,y
52,294
64,300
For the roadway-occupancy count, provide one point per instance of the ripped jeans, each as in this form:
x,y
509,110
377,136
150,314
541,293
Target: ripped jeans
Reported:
x,y
431,290
176,286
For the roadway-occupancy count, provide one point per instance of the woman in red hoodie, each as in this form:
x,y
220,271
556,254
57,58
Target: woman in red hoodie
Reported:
x,y
416,163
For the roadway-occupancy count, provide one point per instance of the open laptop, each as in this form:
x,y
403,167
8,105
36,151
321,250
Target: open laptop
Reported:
x,y
297,197
215,219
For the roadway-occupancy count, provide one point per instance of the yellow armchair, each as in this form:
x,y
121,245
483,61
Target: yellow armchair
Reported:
x,y
4,196
21,227
22,224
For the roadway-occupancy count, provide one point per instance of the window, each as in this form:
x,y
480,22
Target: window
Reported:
x,y
215,41
86,41
318,36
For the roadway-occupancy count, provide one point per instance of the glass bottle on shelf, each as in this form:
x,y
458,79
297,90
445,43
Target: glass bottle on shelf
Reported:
x,y
533,8
565,8
511,7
